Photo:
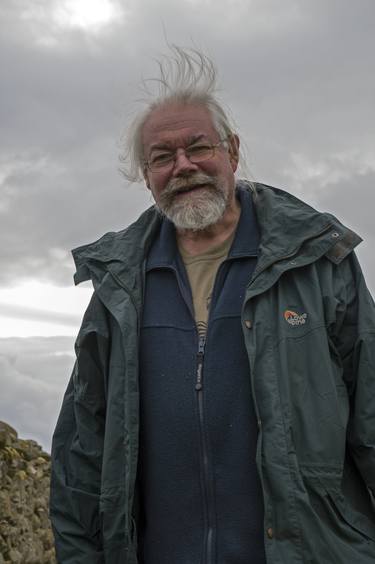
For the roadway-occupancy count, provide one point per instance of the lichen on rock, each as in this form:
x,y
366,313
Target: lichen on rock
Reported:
x,y
25,531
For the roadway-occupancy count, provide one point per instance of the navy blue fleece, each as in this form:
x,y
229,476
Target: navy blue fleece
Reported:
x,y
170,467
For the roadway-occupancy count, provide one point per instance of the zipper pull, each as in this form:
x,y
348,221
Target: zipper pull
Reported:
x,y
200,356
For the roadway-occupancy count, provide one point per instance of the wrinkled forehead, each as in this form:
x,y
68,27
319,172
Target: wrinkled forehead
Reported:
x,y
176,123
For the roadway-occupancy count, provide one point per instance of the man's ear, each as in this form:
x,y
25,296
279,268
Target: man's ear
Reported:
x,y
146,178
233,148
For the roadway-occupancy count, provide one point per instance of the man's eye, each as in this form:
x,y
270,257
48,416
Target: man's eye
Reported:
x,y
197,150
161,158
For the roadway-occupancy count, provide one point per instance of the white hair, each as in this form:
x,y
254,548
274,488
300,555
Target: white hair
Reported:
x,y
187,76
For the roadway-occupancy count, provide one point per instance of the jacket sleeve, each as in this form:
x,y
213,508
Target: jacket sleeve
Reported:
x,y
77,447
355,342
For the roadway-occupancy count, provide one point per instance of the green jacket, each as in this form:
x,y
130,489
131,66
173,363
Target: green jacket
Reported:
x,y
309,329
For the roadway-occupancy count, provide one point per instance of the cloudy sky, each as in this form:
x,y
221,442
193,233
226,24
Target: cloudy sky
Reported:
x,y
298,76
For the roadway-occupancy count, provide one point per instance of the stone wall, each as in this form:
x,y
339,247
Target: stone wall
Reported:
x,y
25,533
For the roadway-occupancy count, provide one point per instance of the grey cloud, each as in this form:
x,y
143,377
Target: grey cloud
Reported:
x,y
298,77
22,312
51,213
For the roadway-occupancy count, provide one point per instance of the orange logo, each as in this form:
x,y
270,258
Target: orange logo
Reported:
x,y
294,318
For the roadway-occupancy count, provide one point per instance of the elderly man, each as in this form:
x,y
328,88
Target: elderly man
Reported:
x,y
222,405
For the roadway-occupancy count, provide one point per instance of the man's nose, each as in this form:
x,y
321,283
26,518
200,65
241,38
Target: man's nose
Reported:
x,y
183,164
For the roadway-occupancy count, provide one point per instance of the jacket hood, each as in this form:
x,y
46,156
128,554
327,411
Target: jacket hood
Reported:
x,y
285,224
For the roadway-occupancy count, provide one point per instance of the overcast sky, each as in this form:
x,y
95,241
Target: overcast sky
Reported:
x,y
297,75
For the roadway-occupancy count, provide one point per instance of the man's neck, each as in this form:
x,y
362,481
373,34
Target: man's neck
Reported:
x,y
198,242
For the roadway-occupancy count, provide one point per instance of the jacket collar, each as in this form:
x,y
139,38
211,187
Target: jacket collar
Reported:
x,y
289,226
285,225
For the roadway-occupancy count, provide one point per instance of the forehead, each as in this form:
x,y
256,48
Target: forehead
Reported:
x,y
175,124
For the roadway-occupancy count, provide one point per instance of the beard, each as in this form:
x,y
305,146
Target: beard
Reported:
x,y
204,208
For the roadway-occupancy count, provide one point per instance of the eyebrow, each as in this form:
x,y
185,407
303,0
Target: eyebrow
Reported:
x,y
168,145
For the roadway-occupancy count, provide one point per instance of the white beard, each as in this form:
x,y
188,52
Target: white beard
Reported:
x,y
198,212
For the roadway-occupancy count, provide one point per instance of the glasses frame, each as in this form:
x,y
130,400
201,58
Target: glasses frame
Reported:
x,y
172,162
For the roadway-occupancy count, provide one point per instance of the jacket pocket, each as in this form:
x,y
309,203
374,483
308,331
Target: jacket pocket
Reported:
x,y
355,520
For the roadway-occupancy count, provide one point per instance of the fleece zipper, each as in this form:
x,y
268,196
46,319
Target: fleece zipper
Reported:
x,y
207,485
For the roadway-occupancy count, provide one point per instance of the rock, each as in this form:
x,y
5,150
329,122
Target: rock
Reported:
x,y
7,434
25,531
21,475
5,505
15,557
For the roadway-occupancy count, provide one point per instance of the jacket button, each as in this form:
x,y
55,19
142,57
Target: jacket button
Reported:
x,y
270,532
248,323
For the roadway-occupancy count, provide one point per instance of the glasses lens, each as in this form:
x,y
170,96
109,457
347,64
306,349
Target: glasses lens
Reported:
x,y
195,154
199,153
158,162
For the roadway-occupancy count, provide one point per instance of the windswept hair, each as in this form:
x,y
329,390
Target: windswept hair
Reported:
x,y
186,76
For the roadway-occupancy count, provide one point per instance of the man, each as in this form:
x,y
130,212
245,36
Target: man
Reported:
x,y
222,405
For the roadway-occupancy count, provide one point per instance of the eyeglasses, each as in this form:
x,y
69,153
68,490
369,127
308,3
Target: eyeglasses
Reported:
x,y
195,153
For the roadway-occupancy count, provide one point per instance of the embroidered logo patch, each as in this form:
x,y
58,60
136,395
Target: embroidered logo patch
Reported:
x,y
294,318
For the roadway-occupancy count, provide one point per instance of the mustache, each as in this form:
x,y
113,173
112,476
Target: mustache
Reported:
x,y
182,184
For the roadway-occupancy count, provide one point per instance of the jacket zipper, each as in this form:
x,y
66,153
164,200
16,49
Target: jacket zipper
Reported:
x,y
207,482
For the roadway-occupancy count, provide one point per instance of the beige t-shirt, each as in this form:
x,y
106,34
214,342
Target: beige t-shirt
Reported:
x,y
201,270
